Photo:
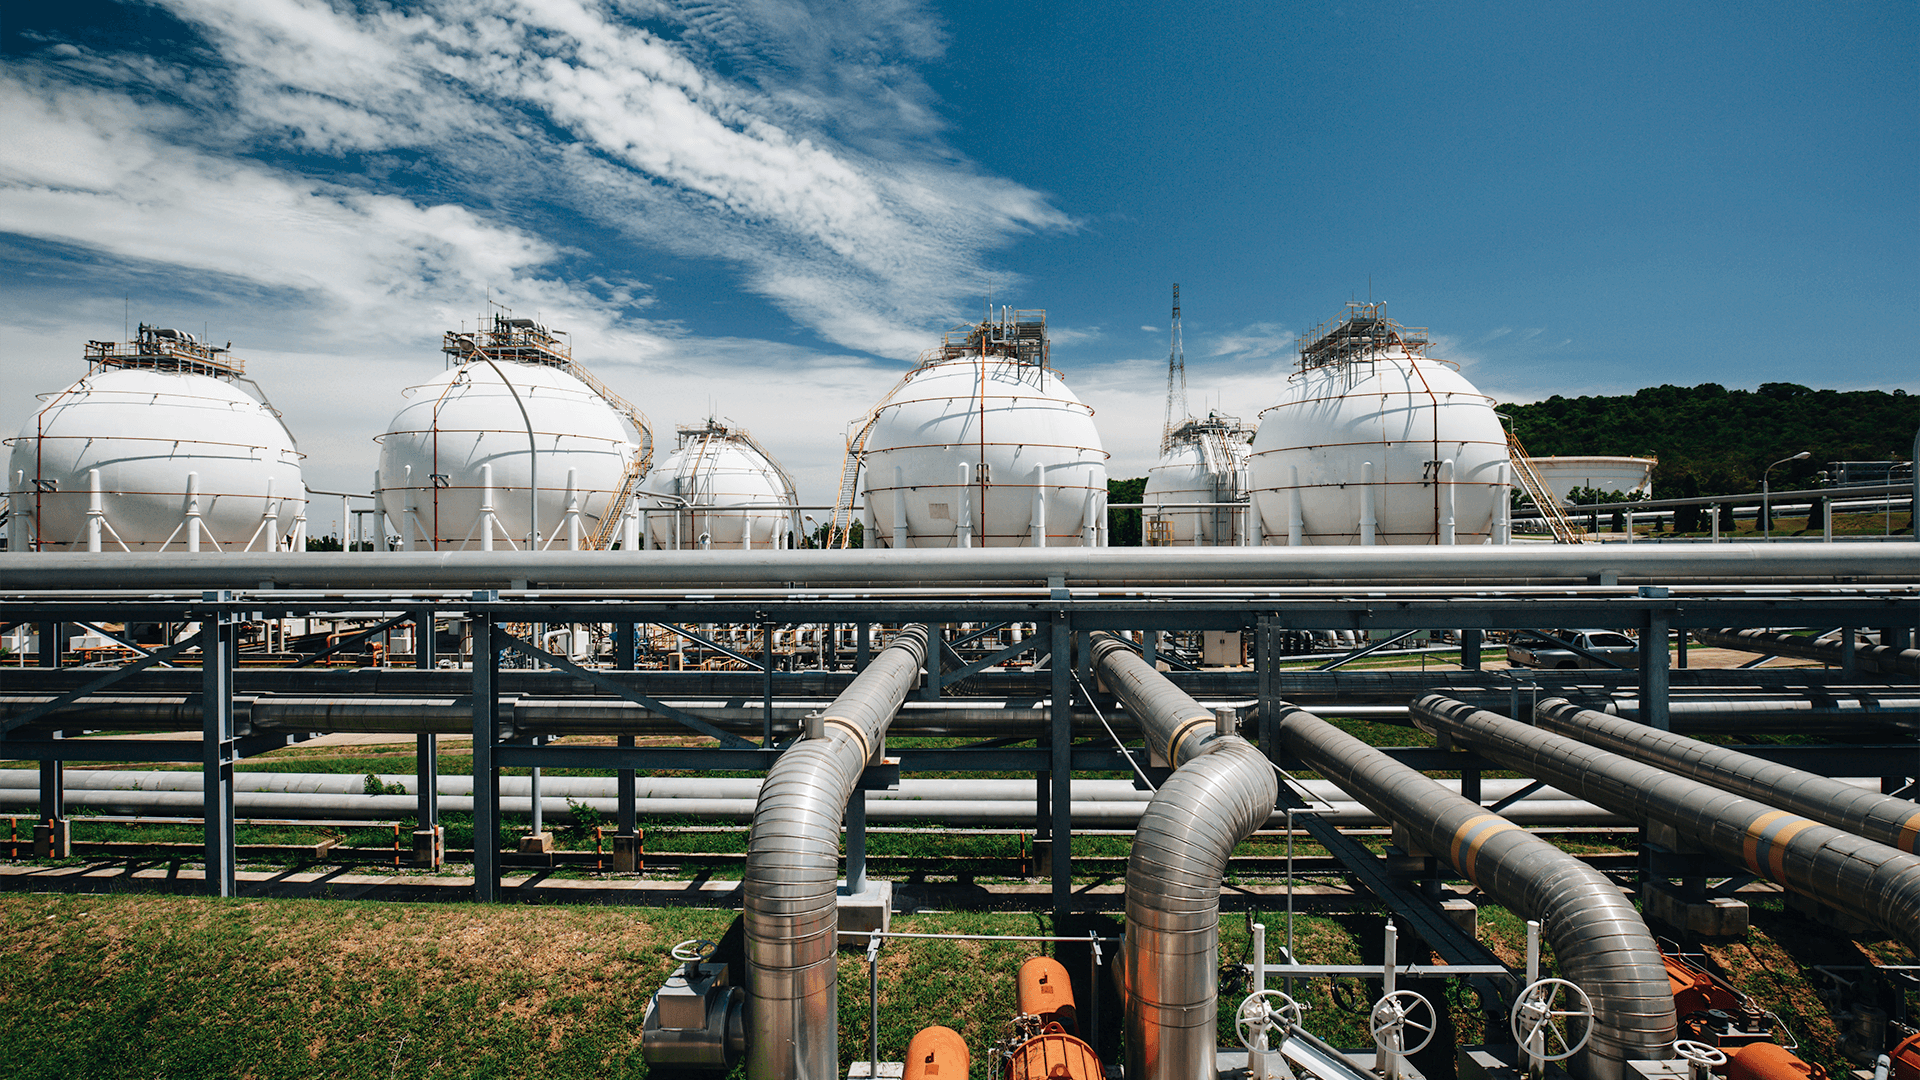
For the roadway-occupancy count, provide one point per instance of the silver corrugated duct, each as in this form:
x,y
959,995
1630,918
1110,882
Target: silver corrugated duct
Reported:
x,y
1599,938
1895,822
793,860
1880,659
1222,789
1872,882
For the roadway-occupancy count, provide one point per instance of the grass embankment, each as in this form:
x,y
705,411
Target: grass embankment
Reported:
x,y
121,985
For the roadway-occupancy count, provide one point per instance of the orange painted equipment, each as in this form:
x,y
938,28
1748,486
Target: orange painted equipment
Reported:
x,y
1765,1061
937,1053
1710,1009
1054,1056
1906,1059
1047,992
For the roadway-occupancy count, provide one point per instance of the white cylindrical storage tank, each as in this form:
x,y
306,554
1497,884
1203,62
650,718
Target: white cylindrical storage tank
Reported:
x,y
1205,462
1372,441
983,445
1628,475
157,448
718,489
456,463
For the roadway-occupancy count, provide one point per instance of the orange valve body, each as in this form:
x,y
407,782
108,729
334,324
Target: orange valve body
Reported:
x,y
1054,1056
1047,992
937,1053
1766,1061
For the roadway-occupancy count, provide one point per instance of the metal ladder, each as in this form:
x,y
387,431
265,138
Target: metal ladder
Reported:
x,y
637,468
1536,489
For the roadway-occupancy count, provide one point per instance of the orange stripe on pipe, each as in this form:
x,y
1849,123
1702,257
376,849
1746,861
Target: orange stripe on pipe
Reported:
x,y
1751,848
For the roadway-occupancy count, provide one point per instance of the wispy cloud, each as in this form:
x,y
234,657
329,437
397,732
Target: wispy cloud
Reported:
x,y
372,173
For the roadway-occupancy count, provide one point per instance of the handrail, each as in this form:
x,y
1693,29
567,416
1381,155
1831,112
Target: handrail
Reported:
x,y
1536,489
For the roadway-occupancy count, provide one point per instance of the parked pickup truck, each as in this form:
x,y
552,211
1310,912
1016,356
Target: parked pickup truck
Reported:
x,y
1528,651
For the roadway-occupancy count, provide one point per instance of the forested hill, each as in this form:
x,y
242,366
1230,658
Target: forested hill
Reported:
x,y
1714,441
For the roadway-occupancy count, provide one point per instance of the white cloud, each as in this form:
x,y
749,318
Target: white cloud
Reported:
x,y
336,186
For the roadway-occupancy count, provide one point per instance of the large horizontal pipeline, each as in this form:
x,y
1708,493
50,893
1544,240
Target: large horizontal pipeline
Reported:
x,y
1874,883
420,571
995,803
1880,659
1881,818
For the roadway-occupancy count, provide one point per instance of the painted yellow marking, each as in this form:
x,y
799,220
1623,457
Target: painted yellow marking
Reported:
x,y
1778,855
1470,835
1755,837
1910,835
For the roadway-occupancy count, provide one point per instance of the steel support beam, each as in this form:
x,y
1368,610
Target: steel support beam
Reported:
x,y
216,710
1062,763
486,775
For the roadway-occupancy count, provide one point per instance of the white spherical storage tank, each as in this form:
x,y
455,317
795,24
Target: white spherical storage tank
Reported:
x,y
1372,441
1206,461
718,489
157,448
458,463
983,445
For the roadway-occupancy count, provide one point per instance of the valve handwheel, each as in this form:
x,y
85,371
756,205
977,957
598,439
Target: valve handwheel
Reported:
x,y
693,950
1547,1008
1261,1013
1699,1053
1394,1015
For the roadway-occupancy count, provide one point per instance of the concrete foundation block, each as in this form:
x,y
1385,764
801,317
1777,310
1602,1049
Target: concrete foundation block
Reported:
x,y
866,911
628,854
537,844
1464,913
1718,917
1403,839
430,847
53,839
1041,865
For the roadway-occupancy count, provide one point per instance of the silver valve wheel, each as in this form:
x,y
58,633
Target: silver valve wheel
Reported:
x,y
1394,1015
1261,1014
693,950
1549,1009
1700,1057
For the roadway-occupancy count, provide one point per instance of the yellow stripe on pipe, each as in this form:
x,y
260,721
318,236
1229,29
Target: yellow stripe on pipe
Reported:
x,y
1910,835
1468,838
1755,837
1777,857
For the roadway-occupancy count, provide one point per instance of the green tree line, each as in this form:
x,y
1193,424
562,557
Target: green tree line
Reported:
x,y
1714,441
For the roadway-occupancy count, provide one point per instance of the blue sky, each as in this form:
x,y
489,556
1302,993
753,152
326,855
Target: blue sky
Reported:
x,y
764,209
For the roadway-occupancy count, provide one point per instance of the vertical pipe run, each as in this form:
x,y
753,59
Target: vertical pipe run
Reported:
x,y
94,510
1446,503
902,534
1503,508
1296,522
193,511
1037,519
1369,524
486,509
963,509
793,854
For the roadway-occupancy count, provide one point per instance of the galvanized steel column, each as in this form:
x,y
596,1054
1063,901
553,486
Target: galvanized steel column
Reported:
x,y
486,778
216,710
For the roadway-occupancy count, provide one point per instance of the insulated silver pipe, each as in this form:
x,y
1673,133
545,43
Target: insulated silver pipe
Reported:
x,y
1222,789
1872,882
1599,938
1886,820
1879,659
418,571
793,859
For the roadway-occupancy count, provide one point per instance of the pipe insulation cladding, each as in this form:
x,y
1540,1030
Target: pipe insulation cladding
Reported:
x,y
1872,882
1880,818
793,858
1878,659
1222,789
1896,565
1598,937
